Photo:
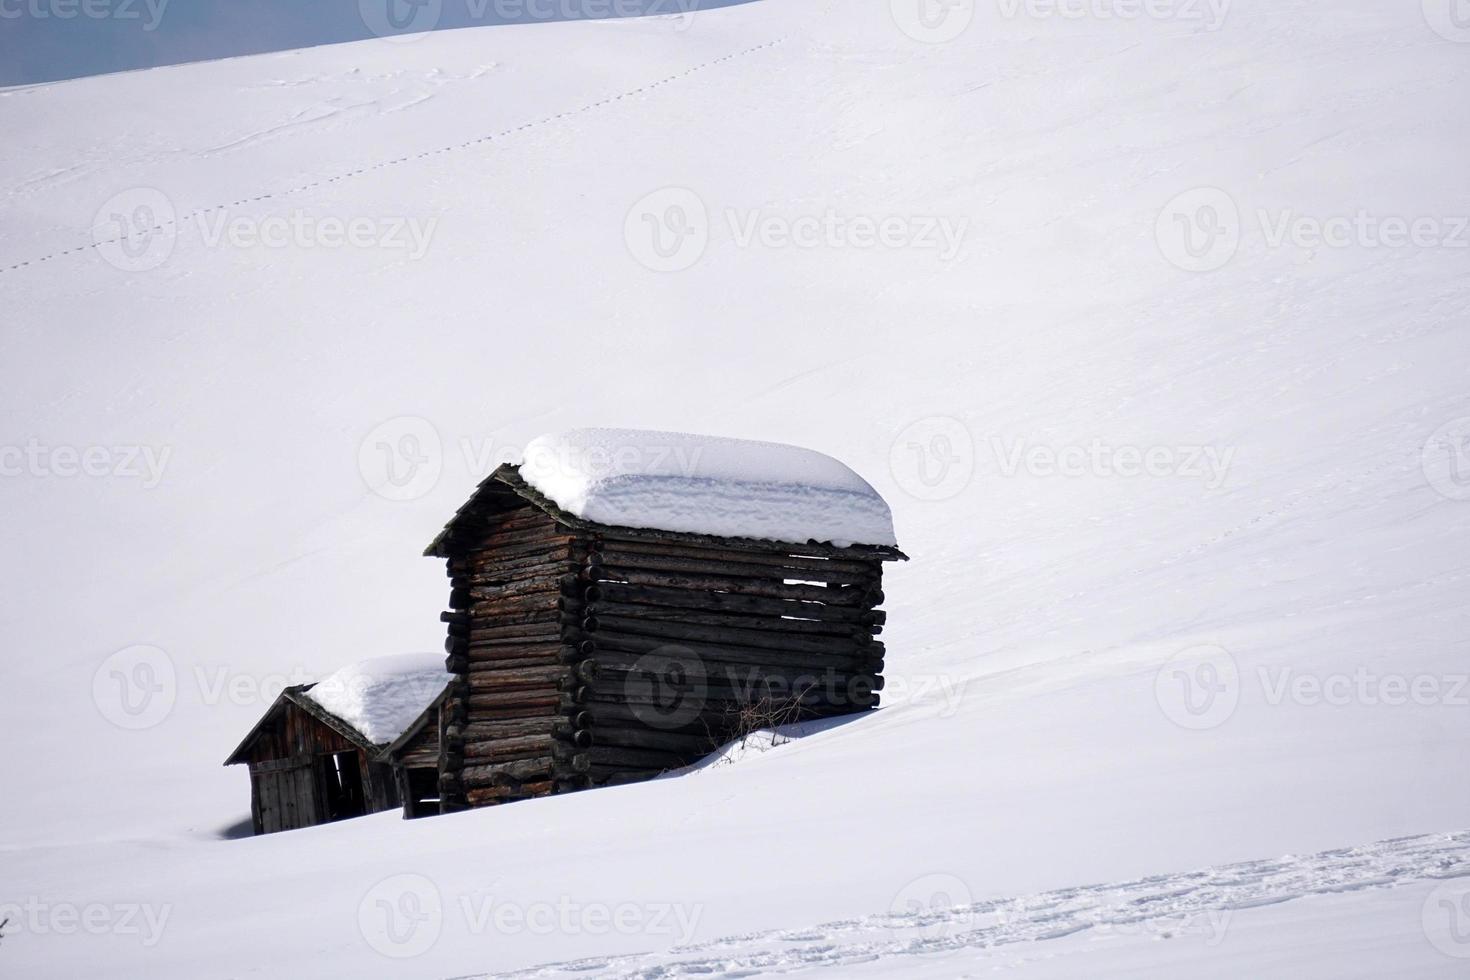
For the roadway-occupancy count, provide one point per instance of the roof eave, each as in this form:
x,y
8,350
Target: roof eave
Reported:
x,y
509,476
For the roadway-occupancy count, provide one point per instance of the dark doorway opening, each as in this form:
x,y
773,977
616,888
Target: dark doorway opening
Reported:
x,y
422,798
343,795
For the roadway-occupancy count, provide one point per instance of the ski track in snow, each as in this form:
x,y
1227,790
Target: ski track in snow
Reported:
x,y
179,220
1193,902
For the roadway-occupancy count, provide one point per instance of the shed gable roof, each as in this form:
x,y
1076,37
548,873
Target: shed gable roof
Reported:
x,y
290,696
505,490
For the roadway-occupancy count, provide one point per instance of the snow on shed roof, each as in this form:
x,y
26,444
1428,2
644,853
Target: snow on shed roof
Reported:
x,y
733,488
382,696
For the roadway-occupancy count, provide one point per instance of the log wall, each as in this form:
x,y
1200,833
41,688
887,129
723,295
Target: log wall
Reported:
x,y
586,657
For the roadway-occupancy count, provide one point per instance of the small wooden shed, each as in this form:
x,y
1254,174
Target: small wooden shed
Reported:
x,y
416,760
308,767
585,653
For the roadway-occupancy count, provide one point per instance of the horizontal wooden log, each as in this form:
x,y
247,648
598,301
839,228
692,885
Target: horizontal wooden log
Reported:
x,y
729,635
489,595
496,537
541,614
781,626
490,795
698,744
809,549
727,567
491,562
522,679
613,710
533,676
776,555
835,596
467,559
551,637
489,652
624,757
719,703
506,773
498,608
525,747
482,702
854,691
559,724
680,598
493,580
489,630
559,657
607,640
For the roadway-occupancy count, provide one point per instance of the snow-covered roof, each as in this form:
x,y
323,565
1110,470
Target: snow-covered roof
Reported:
x,y
735,488
383,696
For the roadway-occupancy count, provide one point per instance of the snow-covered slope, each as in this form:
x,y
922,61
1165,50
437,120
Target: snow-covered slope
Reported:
x,y
1178,476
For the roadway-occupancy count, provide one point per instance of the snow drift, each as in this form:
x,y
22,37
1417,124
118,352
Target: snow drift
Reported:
x,y
707,485
381,696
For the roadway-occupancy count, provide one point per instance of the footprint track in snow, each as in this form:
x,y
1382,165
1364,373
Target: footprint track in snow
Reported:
x,y
1197,901
407,158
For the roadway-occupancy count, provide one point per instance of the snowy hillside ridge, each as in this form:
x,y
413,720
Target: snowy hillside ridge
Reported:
x,y
382,696
673,481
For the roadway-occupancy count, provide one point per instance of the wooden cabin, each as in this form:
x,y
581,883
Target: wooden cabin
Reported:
x,y
585,654
310,766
